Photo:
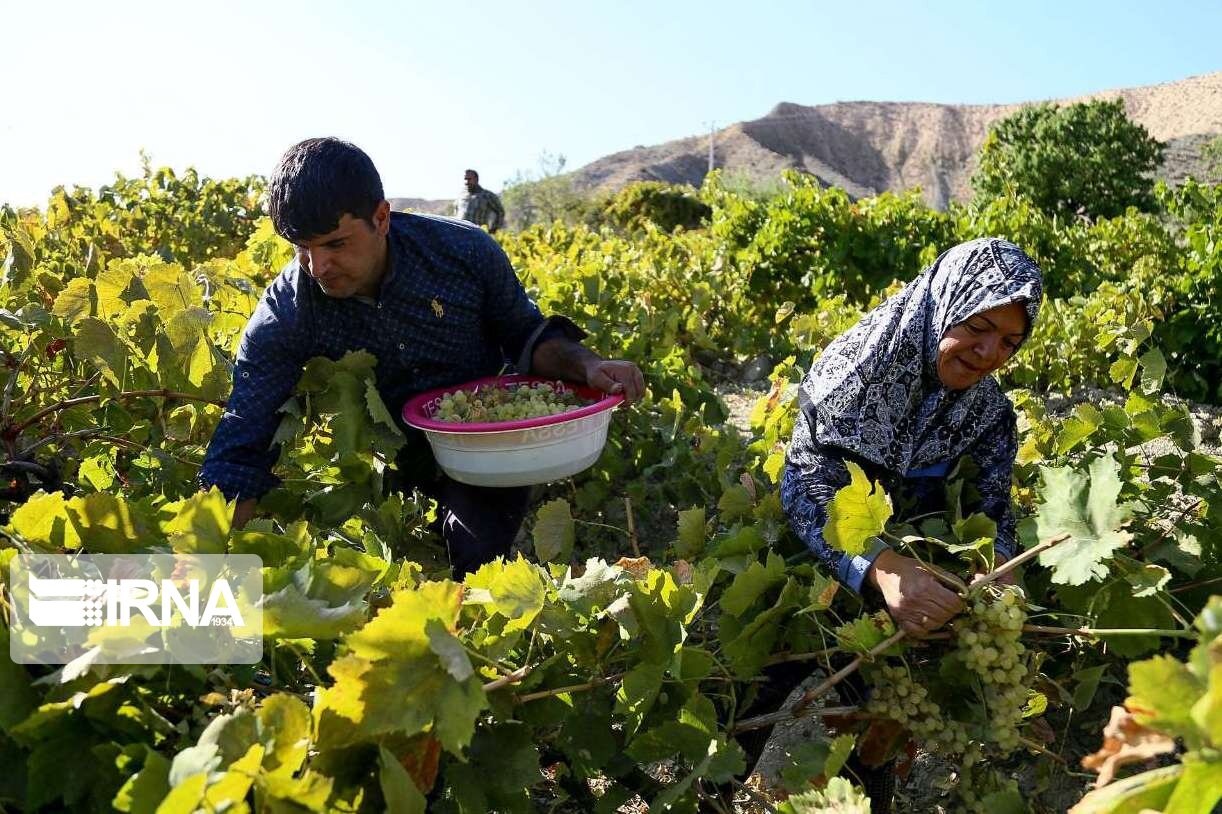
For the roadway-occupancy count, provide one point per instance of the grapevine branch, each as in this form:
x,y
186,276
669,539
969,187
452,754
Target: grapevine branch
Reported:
x,y
1115,631
1026,556
636,548
800,708
130,394
504,681
781,658
552,693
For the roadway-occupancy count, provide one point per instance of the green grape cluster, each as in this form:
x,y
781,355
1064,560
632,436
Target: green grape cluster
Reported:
x,y
498,403
987,641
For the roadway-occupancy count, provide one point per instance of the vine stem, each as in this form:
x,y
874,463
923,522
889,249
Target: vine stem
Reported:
x,y
1037,747
504,681
552,693
1200,583
130,394
1102,631
1010,565
1163,535
636,548
493,663
782,658
800,707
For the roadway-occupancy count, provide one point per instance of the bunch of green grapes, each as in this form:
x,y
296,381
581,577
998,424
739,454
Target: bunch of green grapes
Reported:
x,y
497,403
987,641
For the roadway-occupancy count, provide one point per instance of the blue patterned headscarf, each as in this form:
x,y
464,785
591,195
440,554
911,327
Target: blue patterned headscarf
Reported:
x,y
875,390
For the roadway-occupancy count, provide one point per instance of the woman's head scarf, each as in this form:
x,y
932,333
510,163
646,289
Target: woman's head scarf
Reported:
x,y
875,390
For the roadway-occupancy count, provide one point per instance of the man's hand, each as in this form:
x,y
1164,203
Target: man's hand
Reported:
x,y
917,601
614,376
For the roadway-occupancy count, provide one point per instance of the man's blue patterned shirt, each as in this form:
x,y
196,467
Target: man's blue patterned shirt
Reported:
x,y
450,309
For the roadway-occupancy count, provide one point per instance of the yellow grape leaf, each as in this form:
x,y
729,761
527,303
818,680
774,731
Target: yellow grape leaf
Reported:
x,y
858,512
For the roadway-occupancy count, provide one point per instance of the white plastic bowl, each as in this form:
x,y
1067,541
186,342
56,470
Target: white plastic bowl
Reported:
x,y
514,453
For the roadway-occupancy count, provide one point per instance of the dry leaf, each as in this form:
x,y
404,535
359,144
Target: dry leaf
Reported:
x,y
748,483
681,570
637,567
1125,741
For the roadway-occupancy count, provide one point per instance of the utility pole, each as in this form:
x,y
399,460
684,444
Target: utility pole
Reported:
x,y
712,125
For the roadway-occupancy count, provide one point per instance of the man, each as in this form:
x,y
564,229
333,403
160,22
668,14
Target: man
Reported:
x,y
479,206
436,302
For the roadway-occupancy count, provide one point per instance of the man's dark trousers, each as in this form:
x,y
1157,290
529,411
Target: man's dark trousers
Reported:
x,y
478,523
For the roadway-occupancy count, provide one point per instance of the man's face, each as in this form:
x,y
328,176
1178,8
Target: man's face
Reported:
x,y
351,258
980,345
471,181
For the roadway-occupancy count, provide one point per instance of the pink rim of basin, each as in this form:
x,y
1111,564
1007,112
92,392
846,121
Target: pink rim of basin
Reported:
x,y
415,415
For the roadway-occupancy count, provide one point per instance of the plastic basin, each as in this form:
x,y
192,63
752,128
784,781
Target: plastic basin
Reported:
x,y
514,453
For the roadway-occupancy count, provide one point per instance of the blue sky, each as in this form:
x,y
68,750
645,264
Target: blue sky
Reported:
x,y
428,89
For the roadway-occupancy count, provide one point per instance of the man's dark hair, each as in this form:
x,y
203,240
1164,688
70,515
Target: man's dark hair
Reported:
x,y
316,183
473,172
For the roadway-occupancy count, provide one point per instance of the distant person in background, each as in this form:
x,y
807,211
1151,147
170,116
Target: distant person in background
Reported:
x,y
479,206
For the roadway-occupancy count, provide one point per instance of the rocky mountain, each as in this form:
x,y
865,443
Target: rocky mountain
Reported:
x,y
870,147
439,206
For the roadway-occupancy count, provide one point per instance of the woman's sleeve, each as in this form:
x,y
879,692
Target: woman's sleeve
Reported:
x,y
813,474
995,454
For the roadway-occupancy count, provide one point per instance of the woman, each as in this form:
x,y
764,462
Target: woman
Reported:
x,y
906,393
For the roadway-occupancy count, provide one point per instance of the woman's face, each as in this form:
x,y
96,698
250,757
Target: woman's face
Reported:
x,y
980,345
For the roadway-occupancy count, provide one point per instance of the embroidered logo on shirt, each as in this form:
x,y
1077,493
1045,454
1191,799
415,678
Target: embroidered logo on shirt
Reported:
x,y
437,309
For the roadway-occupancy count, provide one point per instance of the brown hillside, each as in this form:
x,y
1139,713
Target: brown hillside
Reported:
x,y
870,147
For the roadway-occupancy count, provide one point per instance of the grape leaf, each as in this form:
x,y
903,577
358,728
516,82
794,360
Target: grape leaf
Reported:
x,y
840,796
735,504
753,583
43,521
809,761
692,533
822,590
1162,692
858,512
391,659
290,614
748,647
513,589
107,524
94,340
1078,427
1199,789
554,532
637,694
75,302
144,790
1153,369
1083,505
172,289
1122,371
284,728
399,792
864,632
198,524
449,649
1207,712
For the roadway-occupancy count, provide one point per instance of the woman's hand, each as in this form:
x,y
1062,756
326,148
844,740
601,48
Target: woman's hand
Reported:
x,y
918,602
